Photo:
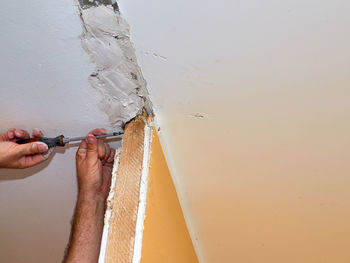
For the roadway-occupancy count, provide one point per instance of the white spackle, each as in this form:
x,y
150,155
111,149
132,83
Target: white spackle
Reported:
x,y
117,76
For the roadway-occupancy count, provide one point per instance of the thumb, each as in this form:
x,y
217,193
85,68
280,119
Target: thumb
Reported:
x,y
92,147
32,148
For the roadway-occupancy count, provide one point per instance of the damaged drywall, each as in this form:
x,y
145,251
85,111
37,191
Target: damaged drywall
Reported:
x,y
90,3
148,130
117,75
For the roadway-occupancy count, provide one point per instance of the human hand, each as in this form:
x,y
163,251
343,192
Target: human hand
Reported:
x,y
94,161
13,155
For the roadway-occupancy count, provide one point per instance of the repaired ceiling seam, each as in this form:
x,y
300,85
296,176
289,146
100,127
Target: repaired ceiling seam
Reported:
x,y
118,78
117,75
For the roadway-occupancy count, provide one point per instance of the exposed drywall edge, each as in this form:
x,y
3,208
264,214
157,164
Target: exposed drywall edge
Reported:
x,y
178,188
108,212
143,194
121,236
117,76
90,3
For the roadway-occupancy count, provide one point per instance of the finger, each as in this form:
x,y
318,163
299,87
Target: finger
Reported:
x,y
11,133
106,179
107,152
111,156
101,149
48,153
98,131
3,137
31,160
110,160
92,147
37,133
21,134
32,148
81,153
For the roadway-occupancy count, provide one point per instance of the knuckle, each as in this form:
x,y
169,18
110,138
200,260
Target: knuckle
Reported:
x,y
33,148
21,165
80,154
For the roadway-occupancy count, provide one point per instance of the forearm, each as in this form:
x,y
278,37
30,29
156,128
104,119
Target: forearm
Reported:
x,y
87,230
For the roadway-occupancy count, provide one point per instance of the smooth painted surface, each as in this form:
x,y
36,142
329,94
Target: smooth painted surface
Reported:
x,y
165,236
44,83
263,175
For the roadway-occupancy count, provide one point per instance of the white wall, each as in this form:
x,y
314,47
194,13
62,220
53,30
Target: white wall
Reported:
x,y
264,175
44,83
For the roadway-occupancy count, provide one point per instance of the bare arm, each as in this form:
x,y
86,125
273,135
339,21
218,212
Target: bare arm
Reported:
x,y
86,231
94,169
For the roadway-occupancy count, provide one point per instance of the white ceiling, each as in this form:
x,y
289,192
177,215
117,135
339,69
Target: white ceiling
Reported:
x,y
263,176
44,70
44,83
252,102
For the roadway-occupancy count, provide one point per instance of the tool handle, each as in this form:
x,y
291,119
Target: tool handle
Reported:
x,y
51,142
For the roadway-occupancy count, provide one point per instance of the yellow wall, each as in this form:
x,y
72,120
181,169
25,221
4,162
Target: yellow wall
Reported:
x,y
165,237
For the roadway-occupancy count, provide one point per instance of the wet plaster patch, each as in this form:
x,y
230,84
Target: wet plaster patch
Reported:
x,y
117,76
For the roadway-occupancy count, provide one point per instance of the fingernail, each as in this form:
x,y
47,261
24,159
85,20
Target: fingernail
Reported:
x,y
42,147
11,135
19,133
47,154
36,131
90,139
110,159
